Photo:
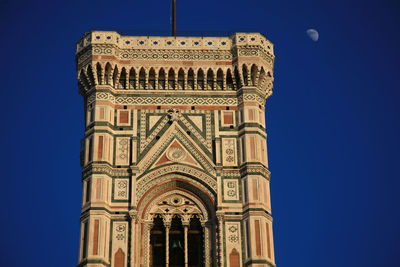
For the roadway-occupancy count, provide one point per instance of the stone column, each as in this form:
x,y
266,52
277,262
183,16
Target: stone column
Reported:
x,y
220,218
132,215
147,228
207,254
167,245
185,227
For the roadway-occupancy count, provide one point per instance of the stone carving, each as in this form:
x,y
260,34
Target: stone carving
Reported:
x,y
231,189
158,176
229,151
174,115
99,168
120,231
121,189
172,100
188,144
179,205
122,151
233,235
176,154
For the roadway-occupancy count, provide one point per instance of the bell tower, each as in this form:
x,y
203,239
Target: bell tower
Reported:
x,y
174,154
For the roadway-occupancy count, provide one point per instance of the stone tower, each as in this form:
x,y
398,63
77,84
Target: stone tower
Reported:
x,y
174,155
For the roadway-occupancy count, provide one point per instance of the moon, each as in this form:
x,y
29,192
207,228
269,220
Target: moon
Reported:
x,y
313,34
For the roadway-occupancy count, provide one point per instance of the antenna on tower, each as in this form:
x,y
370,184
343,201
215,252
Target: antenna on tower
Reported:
x,y
173,17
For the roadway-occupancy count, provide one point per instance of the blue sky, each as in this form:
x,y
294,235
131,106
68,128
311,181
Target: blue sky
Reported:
x,y
332,122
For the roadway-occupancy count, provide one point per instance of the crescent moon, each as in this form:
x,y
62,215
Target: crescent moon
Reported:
x,y
313,34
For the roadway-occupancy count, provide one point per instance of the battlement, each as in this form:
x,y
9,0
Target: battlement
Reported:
x,y
175,42
106,59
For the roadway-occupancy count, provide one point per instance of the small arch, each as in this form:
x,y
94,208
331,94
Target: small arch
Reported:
x,y
171,79
254,71
132,79
200,79
83,79
245,75
142,79
262,78
122,79
152,79
237,78
114,77
98,73
161,79
181,79
190,79
229,80
107,74
210,79
269,81
220,80
90,75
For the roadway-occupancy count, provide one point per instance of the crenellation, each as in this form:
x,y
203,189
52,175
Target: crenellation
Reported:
x,y
114,39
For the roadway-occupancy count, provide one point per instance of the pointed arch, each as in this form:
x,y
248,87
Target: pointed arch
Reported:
x,y
171,79
161,79
83,79
200,79
269,81
122,79
132,79
90,75
220,80
210,79
229,80
99,73
115,77
181,79
254,72
234,258
152,79
237,78
190,79
261,79
142,79
245,75
107,74
119,258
